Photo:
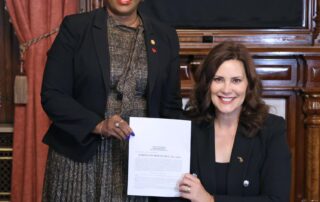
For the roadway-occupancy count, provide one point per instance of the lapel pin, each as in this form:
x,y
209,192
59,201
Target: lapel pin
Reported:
x,y
240,159
154,50
153,42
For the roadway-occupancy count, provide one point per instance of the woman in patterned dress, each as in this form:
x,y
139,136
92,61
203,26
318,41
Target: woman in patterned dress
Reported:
x,y
104,66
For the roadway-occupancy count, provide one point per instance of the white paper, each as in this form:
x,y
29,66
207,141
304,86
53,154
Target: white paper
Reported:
x,y
159,155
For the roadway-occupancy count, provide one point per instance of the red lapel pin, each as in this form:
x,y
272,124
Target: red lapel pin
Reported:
x,y
154,50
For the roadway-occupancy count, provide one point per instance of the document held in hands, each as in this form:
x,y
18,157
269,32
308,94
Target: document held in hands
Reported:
x,y
159,155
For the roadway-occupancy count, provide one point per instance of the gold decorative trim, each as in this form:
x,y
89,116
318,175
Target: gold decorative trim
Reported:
x,y
6,149
5,158
6,128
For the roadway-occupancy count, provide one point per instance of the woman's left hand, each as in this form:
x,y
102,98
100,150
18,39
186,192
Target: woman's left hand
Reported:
x,y
191,188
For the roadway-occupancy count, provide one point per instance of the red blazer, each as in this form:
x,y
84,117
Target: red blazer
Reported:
x,y
76,80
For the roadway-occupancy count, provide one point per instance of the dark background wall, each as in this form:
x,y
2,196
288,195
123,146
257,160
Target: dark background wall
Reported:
x,y
227,13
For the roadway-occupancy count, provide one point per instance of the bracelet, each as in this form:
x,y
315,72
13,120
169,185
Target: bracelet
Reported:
x,y
100,131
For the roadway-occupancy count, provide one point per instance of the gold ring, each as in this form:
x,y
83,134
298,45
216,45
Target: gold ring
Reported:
x,y
188,189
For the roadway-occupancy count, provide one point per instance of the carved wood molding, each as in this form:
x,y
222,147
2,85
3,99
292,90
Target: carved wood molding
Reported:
x,y
311,110
316,21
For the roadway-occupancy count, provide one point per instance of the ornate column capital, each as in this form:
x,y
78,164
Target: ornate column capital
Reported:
x,y
311,108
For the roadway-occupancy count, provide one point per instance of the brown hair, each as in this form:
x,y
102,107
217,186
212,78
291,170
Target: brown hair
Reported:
x,y
200,108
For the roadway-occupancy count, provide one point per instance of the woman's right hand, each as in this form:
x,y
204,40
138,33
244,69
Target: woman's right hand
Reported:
x,y
115,127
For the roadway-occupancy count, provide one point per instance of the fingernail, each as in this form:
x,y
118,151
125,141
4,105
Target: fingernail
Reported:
x,y
130,134
194,174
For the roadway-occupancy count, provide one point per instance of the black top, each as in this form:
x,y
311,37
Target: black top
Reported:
x,y
221,171
265,164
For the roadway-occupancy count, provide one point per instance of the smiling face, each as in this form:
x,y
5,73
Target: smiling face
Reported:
x,y
228,88
123,8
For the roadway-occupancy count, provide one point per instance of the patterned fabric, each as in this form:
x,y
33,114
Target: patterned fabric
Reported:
x,y
104,177
128,71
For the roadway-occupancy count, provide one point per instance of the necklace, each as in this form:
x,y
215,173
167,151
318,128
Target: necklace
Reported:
x,y
135,23
132,24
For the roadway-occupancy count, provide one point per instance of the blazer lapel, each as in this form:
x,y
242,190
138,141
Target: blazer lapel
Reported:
x,y
206,156
239,161
100,43
152,53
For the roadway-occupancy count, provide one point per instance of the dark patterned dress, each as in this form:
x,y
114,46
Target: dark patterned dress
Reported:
x,y
104,177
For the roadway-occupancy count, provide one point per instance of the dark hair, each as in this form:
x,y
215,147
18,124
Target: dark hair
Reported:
x,y
200,108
